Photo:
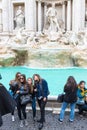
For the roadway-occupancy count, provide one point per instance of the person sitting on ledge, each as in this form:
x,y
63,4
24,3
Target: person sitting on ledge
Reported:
x,y
82,97
83,107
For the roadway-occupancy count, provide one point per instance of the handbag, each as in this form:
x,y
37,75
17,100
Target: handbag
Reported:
x,y
60,98
80,102
25,99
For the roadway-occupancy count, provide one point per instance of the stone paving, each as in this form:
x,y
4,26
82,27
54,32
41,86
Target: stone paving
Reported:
x,y
52,123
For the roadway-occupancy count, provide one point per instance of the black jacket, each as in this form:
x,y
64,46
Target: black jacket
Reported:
x,y
7,104
22,91
70,95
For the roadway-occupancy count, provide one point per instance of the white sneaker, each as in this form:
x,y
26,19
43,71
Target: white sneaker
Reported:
x,y
13,119
21,123
25,122
34,119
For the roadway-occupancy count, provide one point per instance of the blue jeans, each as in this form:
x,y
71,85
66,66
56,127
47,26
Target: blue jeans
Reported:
x,y
72,113
34,106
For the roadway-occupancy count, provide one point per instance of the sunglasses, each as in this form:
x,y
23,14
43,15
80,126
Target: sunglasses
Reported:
x,y
18,75
21,78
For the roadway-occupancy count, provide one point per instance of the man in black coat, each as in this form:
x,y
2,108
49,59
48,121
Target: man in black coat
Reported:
x,y
7,104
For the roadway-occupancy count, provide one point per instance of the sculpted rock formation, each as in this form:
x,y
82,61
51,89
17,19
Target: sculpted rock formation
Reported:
x,y
80,58
19,38
37,50
6,56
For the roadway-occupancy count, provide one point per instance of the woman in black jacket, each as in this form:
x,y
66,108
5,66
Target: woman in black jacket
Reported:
x,y
70,97
22,90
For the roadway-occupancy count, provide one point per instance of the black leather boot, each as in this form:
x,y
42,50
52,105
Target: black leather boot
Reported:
x,y
1,122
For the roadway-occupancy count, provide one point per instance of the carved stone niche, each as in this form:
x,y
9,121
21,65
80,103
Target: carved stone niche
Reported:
x,y
18,15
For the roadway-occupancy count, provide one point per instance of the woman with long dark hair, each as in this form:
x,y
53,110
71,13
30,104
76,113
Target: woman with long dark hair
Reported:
x,y
22,90
70,97
41,90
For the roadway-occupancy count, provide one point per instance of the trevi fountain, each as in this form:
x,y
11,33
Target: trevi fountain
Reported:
x,y
43,33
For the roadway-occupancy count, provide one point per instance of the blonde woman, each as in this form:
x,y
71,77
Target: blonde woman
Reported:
x,y
32,92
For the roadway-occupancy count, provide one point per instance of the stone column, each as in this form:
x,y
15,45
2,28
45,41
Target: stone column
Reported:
x,y
5,16
30,15
45,9
83,2
39,16
69,15
11,12
63,13
1,28
76,15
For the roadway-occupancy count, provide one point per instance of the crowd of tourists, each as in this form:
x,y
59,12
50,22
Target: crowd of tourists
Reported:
x,y
23,91
33,89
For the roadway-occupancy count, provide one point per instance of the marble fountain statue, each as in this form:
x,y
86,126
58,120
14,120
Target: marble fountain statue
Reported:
x,y
53,47
19,18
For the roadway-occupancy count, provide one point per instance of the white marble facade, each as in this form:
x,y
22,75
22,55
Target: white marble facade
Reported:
x,y
72,13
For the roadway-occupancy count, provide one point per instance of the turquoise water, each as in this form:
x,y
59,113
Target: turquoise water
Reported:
x,y
56,78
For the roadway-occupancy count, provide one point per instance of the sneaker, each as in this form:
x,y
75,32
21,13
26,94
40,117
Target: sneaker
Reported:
x,y
60,121
40,126
21,123
34,119
13,119
71,121
25,122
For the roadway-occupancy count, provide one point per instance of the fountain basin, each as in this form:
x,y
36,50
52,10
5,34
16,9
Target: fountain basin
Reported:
x,y
55,77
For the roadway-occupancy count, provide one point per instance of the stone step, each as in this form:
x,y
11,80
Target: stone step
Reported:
x,y
52,105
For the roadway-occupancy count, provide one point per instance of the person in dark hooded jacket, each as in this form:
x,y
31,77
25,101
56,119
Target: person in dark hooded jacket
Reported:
x,y
7,104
